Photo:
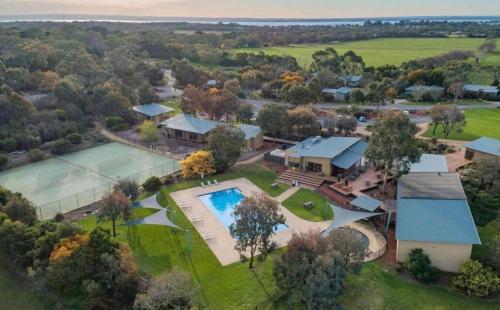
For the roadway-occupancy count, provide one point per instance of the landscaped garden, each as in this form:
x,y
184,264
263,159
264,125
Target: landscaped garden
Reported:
x,y
479,122
318,211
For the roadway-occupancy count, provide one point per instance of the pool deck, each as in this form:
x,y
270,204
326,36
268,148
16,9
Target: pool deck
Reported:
x,y
213,231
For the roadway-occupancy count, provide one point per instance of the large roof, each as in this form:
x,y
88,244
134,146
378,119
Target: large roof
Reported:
x,y
322,147
480,88
350,156
431,220
250,131
430,163
424,88
341,90
152,109
189,123
485,145
430,185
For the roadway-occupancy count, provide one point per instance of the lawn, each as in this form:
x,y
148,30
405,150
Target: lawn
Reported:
x,y
487,233
15,294
378,52
319,212
479,122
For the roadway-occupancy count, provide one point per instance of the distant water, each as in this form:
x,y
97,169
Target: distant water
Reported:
x,y
245,21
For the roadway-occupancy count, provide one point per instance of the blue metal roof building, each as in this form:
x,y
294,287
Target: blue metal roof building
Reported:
x,y
189,123
485,145
152,109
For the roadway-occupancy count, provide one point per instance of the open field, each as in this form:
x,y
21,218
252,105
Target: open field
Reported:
x,y
16,295
479,122
379,52
157,249
319,212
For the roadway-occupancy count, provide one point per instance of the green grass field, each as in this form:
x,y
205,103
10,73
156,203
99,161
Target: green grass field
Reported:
x,y
319,212
379,52
479,122
14,294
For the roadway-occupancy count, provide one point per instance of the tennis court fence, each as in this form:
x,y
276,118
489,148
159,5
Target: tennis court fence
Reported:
x,y
89,196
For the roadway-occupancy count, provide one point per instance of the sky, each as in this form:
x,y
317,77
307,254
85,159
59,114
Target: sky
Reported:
x,y
254,8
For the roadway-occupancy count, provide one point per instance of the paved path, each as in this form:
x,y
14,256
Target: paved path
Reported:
x,y
289,192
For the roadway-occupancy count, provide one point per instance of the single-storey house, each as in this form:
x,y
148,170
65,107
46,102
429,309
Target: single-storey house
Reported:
x,y
253,136
352,80
328,156
338,94
189,128
481,91
483,148
430,163
415,90
433,214
153,111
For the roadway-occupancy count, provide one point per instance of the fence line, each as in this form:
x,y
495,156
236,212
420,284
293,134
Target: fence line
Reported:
x,y
94,194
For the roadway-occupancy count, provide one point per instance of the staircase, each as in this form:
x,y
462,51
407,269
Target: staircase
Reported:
x,y
307,180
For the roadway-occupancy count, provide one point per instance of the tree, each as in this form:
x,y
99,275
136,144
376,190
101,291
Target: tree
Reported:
x,y
273,119
346,124
233,85
200,163
390,94
152,184
476,280
245,113
311,270
174,290
128,187
376,93
296,94
3,160
303,122
349,247
20,209
450,118
225,144
357,96
323,285
488,46
147,94
193,99
457,89
184,73
148,131
256,220
419,265
393,145
114,206
486,171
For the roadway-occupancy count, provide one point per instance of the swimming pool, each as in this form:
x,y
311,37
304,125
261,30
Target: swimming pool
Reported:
x,y
222,204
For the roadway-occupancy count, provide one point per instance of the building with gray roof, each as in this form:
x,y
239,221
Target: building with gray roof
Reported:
x,y
481,91
433,214
328,156
483,148
430,163
339,94
153,111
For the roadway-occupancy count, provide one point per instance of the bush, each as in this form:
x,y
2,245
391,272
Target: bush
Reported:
x,y
129,188
152,184
74,138
3,160
36,155
419,265
148,131
61,146
8,144
117,123
476,280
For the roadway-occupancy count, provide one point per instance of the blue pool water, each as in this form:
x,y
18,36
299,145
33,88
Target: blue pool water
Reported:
x,y
222,204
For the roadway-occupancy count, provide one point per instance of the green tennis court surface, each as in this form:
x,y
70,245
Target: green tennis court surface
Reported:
x,y
72,181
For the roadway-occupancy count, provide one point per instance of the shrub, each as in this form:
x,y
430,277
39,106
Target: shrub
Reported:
x,y
117,123
59,217
152,184
8,144
419,265
36,155
74,138
129,188
61,146
476,280
3,160
148,131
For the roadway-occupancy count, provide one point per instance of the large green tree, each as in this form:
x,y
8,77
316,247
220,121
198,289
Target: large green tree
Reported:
x,y
273,119
225,143
393,145
256,220
114,206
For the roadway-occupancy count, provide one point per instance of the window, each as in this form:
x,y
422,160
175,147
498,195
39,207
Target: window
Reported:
x,y
178,133
193,136
314,167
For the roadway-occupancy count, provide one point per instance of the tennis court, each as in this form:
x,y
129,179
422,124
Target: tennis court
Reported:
x,y
75,180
